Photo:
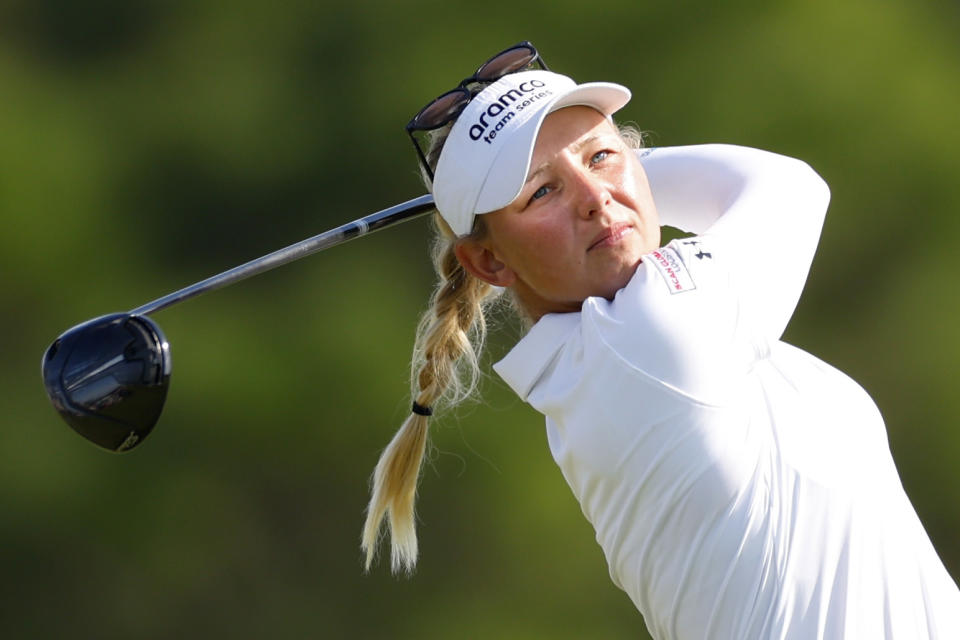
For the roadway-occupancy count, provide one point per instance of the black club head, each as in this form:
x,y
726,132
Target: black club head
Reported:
x,y
108,378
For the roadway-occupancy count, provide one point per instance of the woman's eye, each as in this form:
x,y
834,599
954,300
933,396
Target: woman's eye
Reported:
x,y
542,191
539,193
599,157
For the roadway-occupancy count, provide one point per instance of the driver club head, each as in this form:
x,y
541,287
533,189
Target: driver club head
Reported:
x,y
108,378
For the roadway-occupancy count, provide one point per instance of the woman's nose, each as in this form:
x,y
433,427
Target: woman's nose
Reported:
x,y
592,194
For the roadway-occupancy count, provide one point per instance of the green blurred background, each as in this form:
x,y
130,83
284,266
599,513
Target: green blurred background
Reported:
x,y
147,145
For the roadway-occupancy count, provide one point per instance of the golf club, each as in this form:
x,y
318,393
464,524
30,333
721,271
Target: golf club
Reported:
x,y
108,377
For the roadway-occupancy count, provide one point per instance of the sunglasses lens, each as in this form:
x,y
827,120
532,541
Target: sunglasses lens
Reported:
x,y
442,110
507,62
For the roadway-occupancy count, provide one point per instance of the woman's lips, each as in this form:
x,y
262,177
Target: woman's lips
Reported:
x,y
610,236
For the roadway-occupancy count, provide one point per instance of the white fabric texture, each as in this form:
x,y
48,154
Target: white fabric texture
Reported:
x,y
739,487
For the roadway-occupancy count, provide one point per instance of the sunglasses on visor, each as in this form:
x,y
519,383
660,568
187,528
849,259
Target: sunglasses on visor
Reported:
x,y
448,106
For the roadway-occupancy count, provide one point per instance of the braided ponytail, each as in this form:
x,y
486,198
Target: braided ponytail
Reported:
x,y
444,371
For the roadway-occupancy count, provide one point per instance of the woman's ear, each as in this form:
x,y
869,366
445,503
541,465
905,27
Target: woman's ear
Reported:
x,y
480,262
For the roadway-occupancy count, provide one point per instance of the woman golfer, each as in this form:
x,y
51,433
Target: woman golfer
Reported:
x,y
739,487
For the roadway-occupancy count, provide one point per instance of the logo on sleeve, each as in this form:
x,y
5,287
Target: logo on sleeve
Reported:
x,y
674,272
701,254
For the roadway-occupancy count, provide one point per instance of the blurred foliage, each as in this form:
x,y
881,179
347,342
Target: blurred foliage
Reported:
x,y
149,144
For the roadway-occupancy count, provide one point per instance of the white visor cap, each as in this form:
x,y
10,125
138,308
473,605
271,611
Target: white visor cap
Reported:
x,y
486,157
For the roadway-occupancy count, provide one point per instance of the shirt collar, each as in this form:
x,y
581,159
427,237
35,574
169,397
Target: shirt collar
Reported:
x,y
529,358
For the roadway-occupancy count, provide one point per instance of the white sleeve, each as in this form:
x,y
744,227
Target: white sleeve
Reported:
x,y
765,209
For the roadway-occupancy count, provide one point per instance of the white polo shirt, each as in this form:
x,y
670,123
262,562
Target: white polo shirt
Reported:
x,y
740,488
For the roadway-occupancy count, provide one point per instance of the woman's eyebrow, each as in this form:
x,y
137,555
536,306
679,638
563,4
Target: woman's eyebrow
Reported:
x,y
586,142
540,169
576,147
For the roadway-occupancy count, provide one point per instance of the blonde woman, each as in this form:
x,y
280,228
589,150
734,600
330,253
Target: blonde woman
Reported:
x,y
739,487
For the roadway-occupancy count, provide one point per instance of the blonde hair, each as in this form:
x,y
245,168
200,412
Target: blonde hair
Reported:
x,y
444,372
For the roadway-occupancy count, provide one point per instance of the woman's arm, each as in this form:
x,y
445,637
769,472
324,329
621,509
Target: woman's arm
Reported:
x,y
766,209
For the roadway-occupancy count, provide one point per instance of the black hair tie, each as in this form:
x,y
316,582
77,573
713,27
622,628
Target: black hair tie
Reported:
x,y
421,410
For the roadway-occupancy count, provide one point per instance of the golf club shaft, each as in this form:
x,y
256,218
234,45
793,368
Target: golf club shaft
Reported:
x,y
368,224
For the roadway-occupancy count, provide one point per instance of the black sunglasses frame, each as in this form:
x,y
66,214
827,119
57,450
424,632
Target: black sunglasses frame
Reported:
x,y
460,96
